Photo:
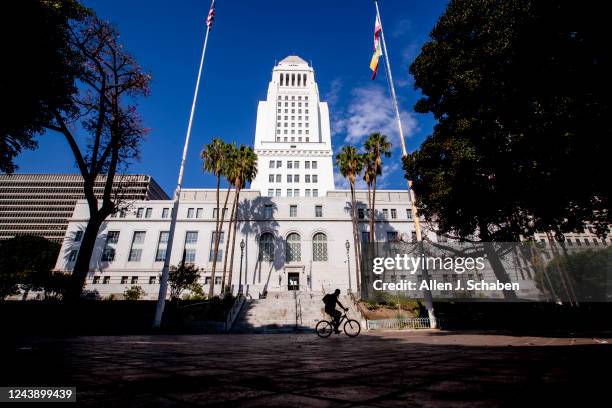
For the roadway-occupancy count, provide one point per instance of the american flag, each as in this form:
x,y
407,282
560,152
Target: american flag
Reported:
x,y
211,16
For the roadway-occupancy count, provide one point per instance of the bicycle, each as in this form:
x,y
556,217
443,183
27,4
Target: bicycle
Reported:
x,y
351,327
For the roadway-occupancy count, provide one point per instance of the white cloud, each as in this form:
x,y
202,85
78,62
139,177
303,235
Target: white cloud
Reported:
x,y
333,94
371,110
401,27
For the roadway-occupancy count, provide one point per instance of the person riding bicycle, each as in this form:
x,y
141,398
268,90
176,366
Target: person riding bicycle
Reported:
x,y
330,301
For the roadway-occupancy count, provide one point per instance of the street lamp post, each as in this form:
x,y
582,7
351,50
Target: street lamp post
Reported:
x,y
347,245
242,245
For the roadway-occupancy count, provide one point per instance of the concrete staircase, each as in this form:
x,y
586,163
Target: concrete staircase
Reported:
x,y
285,312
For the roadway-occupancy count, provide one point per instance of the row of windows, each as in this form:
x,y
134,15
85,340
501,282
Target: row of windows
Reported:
x,y
293,98
292,80
279,117
293,164
293,192
293,138
363,213
124,280
142,212
293,247
299,111
292,124
286,105
293,178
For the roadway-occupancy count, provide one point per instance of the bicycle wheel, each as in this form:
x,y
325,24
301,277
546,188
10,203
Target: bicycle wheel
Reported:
x,y
324,328
352,328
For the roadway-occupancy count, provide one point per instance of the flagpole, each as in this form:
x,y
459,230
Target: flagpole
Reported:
x,y
415,216
163,284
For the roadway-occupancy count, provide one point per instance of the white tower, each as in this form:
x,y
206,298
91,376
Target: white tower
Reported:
x,y
292,138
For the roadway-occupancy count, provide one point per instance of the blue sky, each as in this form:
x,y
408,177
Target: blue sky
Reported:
x,y
248,37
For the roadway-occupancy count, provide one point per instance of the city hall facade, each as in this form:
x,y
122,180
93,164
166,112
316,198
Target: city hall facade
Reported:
x,y
294,224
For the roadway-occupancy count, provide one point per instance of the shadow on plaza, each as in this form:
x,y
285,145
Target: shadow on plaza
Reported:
x,y
306,370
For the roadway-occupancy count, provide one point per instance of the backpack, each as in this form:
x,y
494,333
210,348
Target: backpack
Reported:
x,y
327,299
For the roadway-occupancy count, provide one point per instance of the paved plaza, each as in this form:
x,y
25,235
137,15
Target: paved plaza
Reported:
x,y
397,369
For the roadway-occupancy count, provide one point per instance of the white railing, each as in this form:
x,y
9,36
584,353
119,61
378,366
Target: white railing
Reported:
x,y
397,324
234,311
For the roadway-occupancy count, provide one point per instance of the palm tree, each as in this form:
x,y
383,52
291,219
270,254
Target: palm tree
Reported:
x,y
245,165
376,146
214,155
229,173
350,163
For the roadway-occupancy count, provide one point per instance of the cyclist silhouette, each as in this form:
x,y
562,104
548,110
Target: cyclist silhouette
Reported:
x,y
330,300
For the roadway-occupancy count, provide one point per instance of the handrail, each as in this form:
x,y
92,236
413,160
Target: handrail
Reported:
x,y
233,312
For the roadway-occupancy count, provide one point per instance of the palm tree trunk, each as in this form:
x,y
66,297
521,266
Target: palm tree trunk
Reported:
x,y
211,290
373,215
227,243
355,236
231,266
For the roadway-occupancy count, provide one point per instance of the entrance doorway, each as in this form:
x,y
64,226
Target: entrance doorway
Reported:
x,y
293,281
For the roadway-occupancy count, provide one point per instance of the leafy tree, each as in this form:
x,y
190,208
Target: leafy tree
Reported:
x,y
38,72
245,164
182,277
214,155
134,293
517,89
350,163
101,126
26,263
586,272
376,145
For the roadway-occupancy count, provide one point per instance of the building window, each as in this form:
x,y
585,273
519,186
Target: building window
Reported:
x,y
296,164
278,192
409,213
413,236
296,192
190,212
393,213
160,254
78,236
139,212
148,212
293,252
124,279
360,213
73,255
272,164
279,164
289,164
96,280
152,280
392,236
365,237
318,211
307,192
190,255
270,192
212,247
315,192
278,178
266,247
109,248
136,248
134,280
191,237
307,178
296,178
293,210
271,178
319,247
385,212
165,212
289,192
268,211
315,178
106,280
314,165
289,178
307,164
199,212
